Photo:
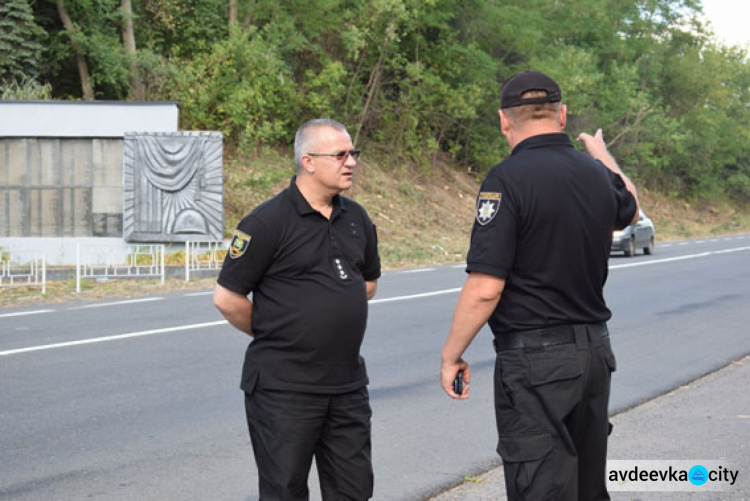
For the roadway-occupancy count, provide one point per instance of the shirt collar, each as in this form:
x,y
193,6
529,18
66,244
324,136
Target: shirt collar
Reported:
x,y
541,140
303,207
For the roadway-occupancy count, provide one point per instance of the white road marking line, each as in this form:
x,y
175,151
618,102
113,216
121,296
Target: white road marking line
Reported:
x,y
419,270
729,251
111,338
185,327
199,293
678,258
415,296
116,303
22,313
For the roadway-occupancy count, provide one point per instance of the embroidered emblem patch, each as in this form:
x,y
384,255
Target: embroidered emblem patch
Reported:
x,y
239,244
488,205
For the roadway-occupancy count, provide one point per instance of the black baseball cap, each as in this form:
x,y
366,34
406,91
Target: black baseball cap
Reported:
x,y
526,81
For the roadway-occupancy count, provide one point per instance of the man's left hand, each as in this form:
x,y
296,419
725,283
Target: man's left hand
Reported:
x,y
448,372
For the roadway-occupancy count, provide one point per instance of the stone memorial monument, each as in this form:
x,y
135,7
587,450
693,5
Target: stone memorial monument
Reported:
x,y
172,187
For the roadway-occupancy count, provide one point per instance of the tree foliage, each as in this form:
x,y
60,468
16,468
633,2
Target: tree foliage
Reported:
x,y
20,47
418,80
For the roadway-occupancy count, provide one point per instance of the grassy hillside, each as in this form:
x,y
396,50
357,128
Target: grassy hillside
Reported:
x,y
425,219
421,219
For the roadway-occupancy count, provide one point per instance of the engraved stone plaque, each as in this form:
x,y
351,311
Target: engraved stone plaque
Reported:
x,y
172,187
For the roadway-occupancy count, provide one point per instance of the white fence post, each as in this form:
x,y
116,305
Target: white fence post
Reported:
x,y
163,269
187,261
78,267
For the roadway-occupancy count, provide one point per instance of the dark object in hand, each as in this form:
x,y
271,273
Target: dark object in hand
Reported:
x,y
458,383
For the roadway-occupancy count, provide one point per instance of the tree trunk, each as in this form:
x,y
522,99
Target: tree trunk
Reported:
x,y
373,86
83,68
248,19
232,14
137,89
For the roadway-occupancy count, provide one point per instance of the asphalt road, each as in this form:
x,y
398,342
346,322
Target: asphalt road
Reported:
x,y
139,399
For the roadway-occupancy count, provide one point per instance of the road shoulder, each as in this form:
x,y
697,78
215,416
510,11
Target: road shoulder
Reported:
x,y
707,419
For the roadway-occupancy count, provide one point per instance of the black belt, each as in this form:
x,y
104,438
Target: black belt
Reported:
x,y
550,336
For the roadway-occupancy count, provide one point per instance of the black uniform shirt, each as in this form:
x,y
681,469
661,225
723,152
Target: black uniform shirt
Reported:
x,y
544,223
307,275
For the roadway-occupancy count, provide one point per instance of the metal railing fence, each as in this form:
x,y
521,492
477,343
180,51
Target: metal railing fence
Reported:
x,y
23,269
138,261
204,255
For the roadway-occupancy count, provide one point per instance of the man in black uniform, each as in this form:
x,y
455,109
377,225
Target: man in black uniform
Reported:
x,y
541,239
309,256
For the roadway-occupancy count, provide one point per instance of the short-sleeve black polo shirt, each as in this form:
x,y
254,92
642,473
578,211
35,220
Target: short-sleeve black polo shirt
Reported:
x,y
544,223
307,275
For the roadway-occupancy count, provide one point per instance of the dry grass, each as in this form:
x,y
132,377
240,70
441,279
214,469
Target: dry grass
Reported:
x,y
92,290
678,220
422,220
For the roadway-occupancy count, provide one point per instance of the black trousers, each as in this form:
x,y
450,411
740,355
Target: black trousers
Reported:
x,y
288,429
551,409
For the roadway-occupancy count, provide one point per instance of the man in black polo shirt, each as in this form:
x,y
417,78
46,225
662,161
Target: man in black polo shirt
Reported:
x,y
541,240
309,257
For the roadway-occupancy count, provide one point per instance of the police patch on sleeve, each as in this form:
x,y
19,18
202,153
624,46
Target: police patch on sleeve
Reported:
x,y
239,244
488,205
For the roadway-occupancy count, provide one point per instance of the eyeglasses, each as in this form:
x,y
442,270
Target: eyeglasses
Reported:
x,y
340,156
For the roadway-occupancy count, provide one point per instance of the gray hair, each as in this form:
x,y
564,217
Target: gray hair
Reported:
x,y
305,138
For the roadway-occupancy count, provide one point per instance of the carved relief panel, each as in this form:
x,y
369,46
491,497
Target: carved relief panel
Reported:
x,y
173,187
